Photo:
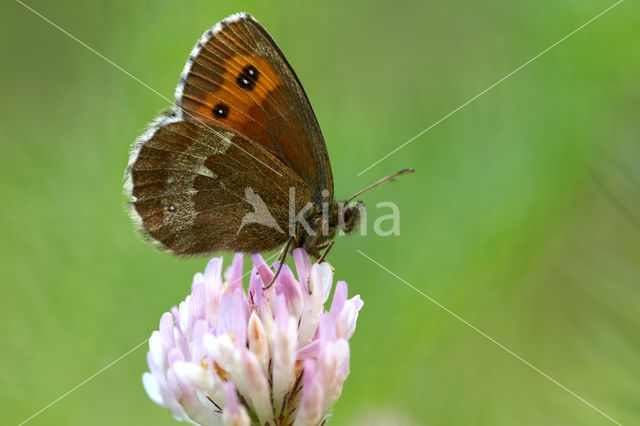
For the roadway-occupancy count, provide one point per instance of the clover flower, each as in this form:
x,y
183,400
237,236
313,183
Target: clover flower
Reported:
x,y
268,357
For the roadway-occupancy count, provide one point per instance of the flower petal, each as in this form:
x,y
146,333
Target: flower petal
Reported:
x,y
346,321
266,274
310,350
321,279
155,349
152,388
234,414
233,275
311,403
258,343
233,317
212,275
194,375
166,331
258,388
339,299
290,289
284,353
303,266
197,303
345,312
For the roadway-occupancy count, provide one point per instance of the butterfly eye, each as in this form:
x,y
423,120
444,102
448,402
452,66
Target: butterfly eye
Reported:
x,y
221,111
171,208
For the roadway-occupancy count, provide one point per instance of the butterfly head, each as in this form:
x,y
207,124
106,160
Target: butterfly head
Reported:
x,y
342,217
350,217
325,223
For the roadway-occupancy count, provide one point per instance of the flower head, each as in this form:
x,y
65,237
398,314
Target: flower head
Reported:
x,y
275,356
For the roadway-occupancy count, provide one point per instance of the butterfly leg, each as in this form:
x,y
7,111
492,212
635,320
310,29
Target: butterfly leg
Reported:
x,y
283,256
327,247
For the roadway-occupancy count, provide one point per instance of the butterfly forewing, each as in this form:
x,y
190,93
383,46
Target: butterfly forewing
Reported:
x,y
238,78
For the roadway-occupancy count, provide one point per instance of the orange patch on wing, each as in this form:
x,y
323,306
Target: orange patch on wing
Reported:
x,y
251,112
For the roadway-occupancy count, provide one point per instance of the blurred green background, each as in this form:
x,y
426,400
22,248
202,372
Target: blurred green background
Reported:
x,y
523,216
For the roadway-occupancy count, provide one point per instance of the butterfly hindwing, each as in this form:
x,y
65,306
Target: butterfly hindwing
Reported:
x,y
189,185
237,77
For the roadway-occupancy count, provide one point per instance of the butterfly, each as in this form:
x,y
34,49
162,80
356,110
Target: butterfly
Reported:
x,y
239,163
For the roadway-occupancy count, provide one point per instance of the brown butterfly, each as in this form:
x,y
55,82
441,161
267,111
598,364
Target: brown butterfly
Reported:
x,y
240,151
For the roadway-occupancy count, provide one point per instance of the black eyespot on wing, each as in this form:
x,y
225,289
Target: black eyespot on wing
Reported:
x,y
245,82
252,72
221,111
248,77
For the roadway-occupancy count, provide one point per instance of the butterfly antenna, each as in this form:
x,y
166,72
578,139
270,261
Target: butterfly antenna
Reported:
x,y
380,182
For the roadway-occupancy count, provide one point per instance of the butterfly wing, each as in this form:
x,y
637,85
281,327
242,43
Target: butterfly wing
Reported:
x,y
237,77
201,189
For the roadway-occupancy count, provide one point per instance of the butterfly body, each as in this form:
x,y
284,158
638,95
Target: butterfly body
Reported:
x,y
239,155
